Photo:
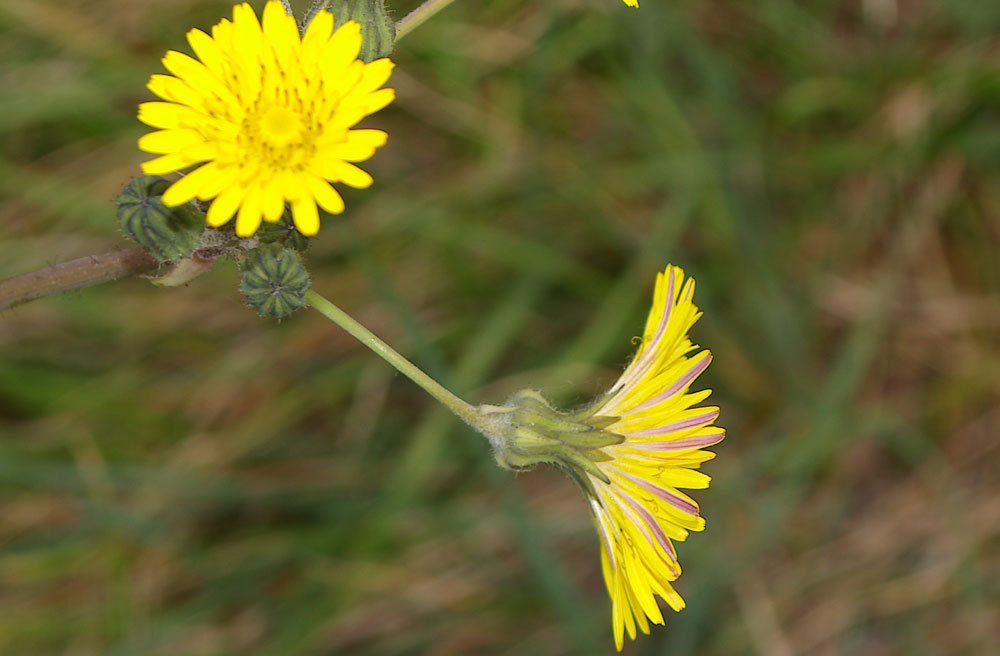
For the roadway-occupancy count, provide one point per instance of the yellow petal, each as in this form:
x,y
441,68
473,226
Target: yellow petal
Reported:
x,y
352,176
358,146
168,141
189,69
348,152
618,612
222,34
187,187
378,100
373,138
338,57
225,177
199,152
305,215
326,196
249,216
280,30
207,50
158,114
175,90
225,206
628,613
165,164
273,202
345,43
317,34
375,75
335,170
246,37
290,185
347,116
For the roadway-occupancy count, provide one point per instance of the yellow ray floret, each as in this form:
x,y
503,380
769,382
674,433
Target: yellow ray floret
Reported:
x,y
265,118
638,506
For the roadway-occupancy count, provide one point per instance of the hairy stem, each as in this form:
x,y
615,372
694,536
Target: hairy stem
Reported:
x,y
75,274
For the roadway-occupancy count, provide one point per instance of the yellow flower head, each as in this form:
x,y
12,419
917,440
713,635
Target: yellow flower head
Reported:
x,y
266,116
639,510
631,452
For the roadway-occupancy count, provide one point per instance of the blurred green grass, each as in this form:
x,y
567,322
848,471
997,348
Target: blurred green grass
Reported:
x,y
181,477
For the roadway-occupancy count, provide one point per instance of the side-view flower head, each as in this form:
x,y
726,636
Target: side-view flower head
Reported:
x,y
266,116
631,452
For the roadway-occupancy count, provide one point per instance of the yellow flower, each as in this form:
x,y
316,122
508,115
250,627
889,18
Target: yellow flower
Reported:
x,y
630,452
639,510
266,116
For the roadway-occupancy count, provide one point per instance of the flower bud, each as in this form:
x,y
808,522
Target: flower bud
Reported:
x,y
283,232
528,431
170,234
378,30
275,281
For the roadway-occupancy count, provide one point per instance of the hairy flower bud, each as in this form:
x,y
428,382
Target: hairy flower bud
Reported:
x,y
170,234
275,281
378,30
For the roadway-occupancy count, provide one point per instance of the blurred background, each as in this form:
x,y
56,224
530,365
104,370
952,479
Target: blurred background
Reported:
x,y
179,476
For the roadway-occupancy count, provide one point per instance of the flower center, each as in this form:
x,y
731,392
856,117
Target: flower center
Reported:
x,y
280,126
275,137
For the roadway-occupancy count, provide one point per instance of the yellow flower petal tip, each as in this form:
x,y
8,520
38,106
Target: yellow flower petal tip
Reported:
x,y
632,451
265,117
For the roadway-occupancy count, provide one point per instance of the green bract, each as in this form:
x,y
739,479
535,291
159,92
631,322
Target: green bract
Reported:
x,y
528,431
170,234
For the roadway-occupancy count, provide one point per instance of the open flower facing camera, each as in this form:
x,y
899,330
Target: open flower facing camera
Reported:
x,y
267,117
